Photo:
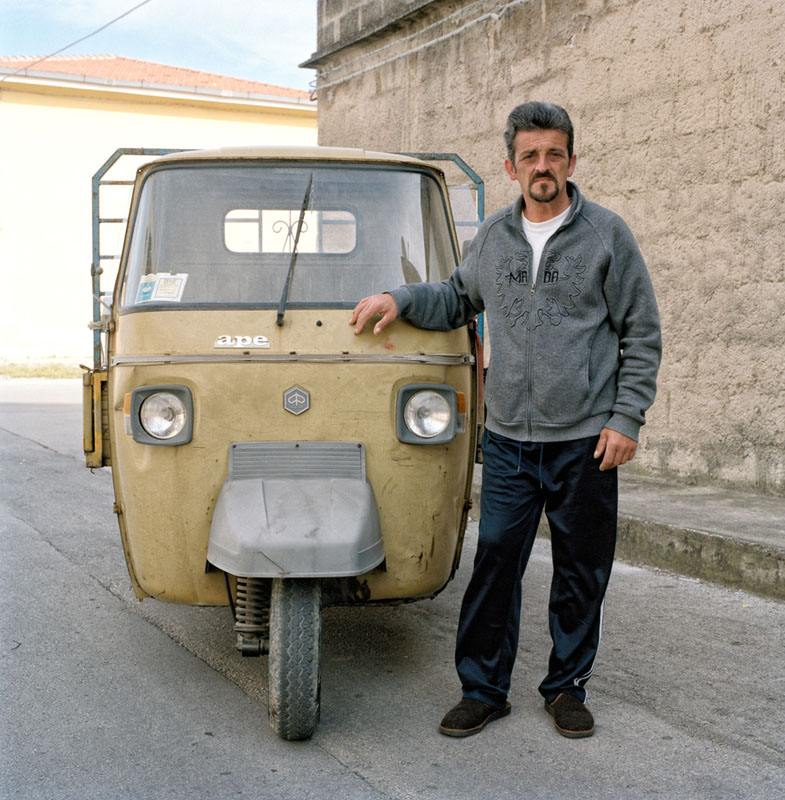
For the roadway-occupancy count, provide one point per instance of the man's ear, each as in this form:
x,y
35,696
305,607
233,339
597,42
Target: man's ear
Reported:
x,y
511,169
573,162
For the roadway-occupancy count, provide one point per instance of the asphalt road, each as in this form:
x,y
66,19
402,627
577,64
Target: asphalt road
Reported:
x,y
106,697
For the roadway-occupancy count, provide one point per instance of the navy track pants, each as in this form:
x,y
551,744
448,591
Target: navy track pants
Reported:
x,y
581,503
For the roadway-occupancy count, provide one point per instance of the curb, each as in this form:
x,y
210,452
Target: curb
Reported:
x,y
727,561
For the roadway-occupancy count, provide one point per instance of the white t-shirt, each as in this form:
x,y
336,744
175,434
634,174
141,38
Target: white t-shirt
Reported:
x,y
538,234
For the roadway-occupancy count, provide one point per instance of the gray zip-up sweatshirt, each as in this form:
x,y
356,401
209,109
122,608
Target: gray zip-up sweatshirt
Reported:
x,y
572,353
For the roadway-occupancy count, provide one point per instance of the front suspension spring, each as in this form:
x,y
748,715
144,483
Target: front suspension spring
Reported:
x,y
252,615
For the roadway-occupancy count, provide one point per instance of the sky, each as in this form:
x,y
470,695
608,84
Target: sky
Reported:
x,y
261,40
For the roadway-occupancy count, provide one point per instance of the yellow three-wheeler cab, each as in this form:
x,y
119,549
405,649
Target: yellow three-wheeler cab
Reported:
x,y
264,456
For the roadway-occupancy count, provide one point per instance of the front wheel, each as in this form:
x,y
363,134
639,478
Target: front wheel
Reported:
x,y
295,656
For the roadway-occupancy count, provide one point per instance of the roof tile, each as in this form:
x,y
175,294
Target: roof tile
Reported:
x,y
120,68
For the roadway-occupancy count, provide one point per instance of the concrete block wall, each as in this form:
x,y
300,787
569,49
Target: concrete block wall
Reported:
x,y
679,112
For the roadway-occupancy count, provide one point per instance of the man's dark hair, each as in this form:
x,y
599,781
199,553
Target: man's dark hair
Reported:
x,y
537,116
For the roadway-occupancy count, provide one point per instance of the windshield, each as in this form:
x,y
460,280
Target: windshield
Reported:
x,y
209,234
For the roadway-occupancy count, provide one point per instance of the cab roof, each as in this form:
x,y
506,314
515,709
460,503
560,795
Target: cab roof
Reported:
x,y
260,153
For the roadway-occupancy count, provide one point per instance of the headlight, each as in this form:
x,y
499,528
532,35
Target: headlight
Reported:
x,y
426,413
160,415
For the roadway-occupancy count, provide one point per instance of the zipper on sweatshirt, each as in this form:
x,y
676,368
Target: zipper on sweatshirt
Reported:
x,y
530,354
530,344
529,370
530,365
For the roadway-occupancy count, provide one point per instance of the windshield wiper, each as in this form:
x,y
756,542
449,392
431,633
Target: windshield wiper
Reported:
x,y
290,272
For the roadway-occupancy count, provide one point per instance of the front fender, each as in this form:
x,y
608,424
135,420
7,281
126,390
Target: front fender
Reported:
x,y
307,528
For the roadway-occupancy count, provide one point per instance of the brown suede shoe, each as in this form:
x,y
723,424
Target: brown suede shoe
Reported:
x,y
469,717
571,717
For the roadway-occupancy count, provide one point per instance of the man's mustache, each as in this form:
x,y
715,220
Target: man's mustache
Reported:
x,y
549,175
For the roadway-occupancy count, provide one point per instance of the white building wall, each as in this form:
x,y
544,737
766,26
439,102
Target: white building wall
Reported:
x,y
51,144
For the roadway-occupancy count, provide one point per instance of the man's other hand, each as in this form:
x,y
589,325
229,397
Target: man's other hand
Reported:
x,y
615,447
369,307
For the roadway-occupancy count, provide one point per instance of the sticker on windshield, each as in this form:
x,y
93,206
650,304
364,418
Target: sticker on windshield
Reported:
x,y
161,287
146,286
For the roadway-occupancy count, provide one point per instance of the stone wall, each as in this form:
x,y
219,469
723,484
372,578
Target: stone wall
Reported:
x,y
679,109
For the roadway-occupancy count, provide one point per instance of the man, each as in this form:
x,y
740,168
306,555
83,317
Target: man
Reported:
x,y
576,348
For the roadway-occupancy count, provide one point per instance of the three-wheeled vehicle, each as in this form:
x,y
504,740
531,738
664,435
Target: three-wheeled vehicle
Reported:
x,y
263,455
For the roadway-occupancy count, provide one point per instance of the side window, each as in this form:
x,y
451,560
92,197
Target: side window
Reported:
x,y
249,230
463,199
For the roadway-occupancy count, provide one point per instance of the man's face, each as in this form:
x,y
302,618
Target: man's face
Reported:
x,y
541,166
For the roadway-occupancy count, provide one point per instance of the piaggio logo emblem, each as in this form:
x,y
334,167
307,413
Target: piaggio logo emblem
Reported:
x,y
296,400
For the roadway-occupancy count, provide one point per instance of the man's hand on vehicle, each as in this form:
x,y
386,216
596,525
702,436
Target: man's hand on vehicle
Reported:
x,y
615,447
369,307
